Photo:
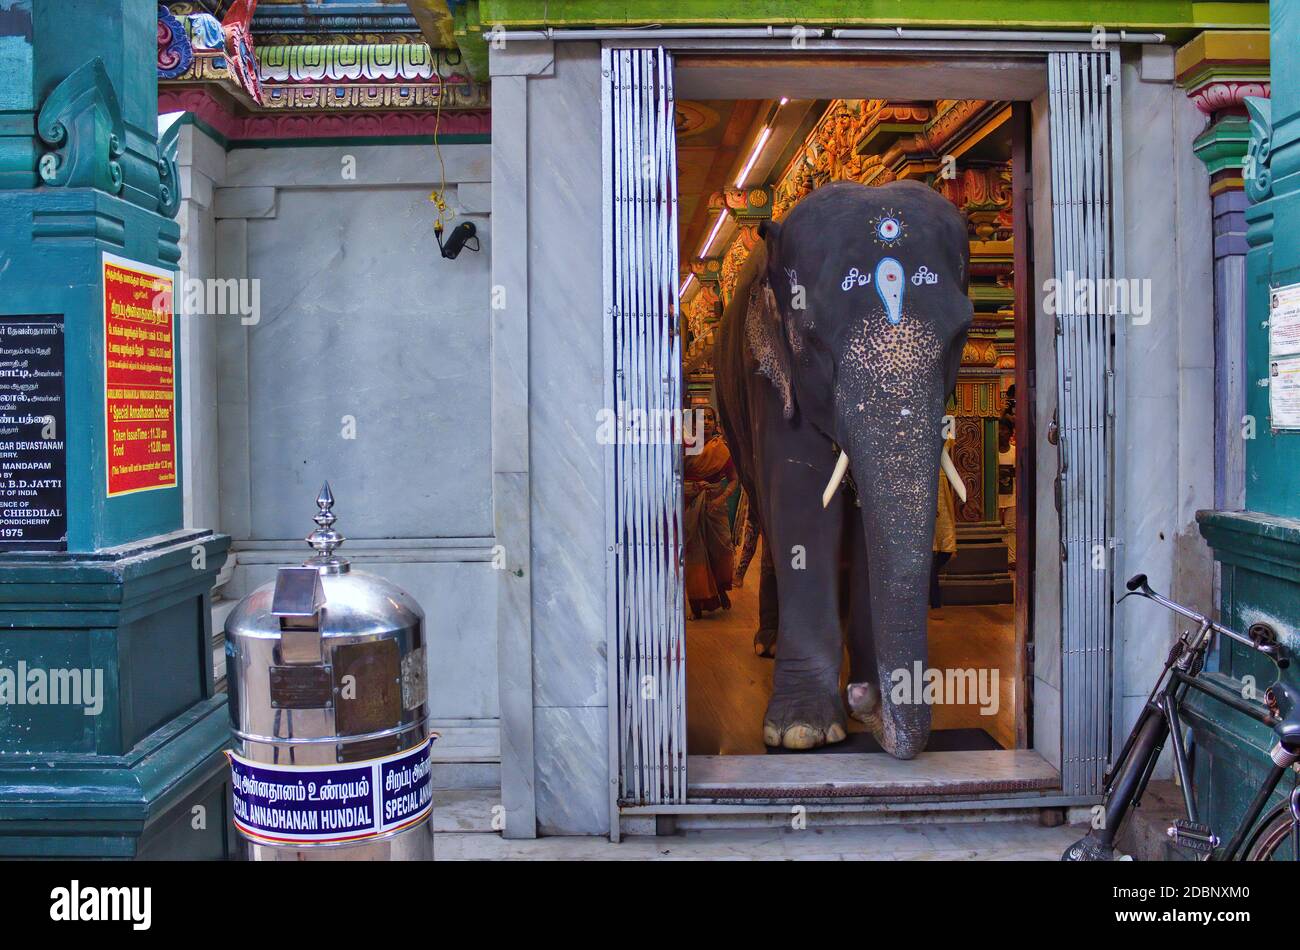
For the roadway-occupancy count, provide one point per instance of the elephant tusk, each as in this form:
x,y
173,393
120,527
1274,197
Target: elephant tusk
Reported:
x,y
945,462
837,478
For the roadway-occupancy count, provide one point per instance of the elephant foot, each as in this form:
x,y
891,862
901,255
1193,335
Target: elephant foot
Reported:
x,y
765,643
864,704
804,717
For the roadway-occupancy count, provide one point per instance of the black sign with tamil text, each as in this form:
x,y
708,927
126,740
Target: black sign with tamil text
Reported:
x,y
33,454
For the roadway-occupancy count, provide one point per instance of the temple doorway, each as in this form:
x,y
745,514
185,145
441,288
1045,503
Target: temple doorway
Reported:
x,y
741,162
701,147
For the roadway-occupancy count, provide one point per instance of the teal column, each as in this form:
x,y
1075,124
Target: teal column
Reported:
x,y
1259,548
111,737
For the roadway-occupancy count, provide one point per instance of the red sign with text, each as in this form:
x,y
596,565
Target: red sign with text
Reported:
x,y
139,377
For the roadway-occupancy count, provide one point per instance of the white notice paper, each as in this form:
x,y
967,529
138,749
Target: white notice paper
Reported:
x,y
1284,321
1284,392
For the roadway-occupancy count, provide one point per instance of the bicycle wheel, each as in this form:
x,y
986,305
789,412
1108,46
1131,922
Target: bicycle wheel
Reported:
x,y
1274,839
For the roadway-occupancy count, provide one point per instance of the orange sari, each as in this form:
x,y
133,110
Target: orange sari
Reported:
x,y
708,533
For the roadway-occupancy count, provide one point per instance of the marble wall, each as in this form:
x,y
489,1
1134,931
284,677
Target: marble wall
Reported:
x,y
368,364
1165,467
550,98
1167,460
202,166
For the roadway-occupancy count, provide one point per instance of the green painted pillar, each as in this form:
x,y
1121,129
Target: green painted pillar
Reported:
x,y
1258,549
111,737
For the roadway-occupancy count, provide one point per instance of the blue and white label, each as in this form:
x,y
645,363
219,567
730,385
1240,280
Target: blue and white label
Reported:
x,y
331,804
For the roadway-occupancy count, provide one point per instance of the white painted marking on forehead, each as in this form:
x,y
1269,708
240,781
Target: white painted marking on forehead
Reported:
x,y
889,284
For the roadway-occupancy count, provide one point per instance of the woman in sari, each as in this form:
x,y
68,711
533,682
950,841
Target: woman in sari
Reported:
x,y
709,480
945,533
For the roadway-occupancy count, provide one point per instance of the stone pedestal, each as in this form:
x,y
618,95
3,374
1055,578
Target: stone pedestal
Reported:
x,y
1259,560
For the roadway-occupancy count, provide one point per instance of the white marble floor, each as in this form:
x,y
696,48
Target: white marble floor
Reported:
x,y
463,820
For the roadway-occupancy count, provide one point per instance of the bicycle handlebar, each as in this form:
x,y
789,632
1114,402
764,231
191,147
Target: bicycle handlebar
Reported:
x,y
1262,636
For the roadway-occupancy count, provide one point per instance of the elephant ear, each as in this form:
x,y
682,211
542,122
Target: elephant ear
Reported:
x,y
765,335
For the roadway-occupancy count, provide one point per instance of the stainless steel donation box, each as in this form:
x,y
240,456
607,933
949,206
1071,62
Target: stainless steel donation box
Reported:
x,y
328,693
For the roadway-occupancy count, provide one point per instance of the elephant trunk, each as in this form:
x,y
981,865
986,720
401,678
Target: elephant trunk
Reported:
x,y
894,456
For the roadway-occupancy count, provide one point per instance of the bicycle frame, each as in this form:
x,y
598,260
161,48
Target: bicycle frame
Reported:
x,y
1127,779
1166,707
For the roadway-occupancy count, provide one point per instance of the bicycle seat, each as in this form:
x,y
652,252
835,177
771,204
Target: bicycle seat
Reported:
x,y
1287,729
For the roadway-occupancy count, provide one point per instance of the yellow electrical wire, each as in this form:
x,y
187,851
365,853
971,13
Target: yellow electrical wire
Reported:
x,y
439,195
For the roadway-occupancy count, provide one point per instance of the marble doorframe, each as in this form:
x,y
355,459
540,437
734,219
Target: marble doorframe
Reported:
x,y
1021,78
549,476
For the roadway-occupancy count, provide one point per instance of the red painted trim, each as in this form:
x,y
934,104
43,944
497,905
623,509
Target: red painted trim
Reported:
x,y
318,125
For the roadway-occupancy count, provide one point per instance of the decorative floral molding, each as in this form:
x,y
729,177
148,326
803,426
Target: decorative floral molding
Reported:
x,y
1227,96
1256,172
745,204
169,179
841,147
239,46
194,46
298,125
968,458
205,34
267,41
341,23
1220,70
984,193
81,121
702,312
733,259
175,51
378,62
383,97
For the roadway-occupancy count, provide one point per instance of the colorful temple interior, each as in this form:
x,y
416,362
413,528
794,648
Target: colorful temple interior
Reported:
x,y
962,148
784,149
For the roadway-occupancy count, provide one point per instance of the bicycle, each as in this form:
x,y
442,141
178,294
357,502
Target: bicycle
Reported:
x,y
1255,839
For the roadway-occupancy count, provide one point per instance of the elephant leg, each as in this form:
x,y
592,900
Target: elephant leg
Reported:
x,y
862,694
768,610
805,710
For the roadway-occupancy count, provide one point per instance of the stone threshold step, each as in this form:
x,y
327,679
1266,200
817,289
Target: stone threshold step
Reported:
x,y
867,775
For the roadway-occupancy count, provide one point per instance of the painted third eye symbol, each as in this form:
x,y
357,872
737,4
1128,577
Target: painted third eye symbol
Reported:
x,y
888,229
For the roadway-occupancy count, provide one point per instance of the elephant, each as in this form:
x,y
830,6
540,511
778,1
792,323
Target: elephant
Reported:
x,y
833,364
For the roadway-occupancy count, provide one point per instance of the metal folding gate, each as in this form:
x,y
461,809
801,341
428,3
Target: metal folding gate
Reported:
x,y
1087,244
644,556
644,559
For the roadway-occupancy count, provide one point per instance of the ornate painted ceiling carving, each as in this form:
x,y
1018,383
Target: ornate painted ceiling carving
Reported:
x,y
329,79
874,141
